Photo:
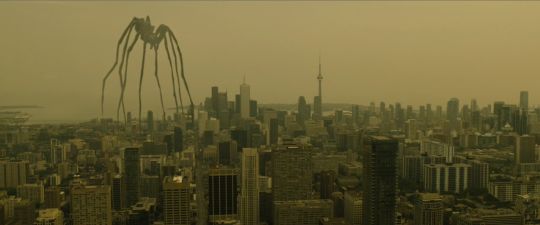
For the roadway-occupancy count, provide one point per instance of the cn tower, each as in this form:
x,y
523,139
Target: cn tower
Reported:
x,y
318,100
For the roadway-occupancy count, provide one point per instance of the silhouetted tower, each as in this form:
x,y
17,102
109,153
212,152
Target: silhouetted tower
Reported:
x,y
380,181
524,100
318,99
150,120
452,113
132,175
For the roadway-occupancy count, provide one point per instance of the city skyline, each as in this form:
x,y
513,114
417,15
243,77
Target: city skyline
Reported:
x,y
367,48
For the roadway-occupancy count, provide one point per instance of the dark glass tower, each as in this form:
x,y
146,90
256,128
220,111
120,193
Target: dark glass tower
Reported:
x,y
132,175
380,180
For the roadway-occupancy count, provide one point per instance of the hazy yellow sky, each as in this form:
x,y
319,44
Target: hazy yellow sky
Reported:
x,y
56,53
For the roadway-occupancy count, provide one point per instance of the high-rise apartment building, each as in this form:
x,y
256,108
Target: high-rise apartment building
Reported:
x,y
118,185
91,205
13,173
352,207
176,201
291,173
302,212
33,192
453,178
525,151
428,209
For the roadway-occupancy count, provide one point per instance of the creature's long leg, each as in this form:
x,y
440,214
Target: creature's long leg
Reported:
x,y
172,72
140,85
121,102
157,80
177,74
125,68
129,27
191,109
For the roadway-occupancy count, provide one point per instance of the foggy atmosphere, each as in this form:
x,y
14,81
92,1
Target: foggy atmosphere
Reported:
x,y
269,112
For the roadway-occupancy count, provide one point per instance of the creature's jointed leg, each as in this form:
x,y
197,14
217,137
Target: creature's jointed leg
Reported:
x,y
114,65
140,87
177,74
121,102
125,68
191,109
172,73
157,80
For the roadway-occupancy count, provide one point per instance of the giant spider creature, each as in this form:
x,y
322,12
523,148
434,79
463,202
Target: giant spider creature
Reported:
x,y
152,38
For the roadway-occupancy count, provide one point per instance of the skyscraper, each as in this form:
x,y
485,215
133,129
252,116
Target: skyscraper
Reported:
x,y
244,100
13,173
53,197
118,192
178,139
132,175
249,205
215,102
176,200
303,110
253,108
380,181
150,120
327,183
353,207
452,113
292,173
222,194
428,209
273,131
91,205
497,110
24,212
525,149
524,100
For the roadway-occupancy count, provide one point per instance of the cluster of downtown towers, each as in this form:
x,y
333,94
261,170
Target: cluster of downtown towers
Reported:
x,y
243,163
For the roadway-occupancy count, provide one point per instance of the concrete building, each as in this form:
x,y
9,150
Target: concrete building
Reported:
x,y
292,173
118,192
91,205
453,178
50,217
428,209
487,216
353,208
32,192
53,197
249,200
525,149
302,212
176,201
13,173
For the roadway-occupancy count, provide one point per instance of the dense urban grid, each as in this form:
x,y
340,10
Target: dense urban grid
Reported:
x,y
242,162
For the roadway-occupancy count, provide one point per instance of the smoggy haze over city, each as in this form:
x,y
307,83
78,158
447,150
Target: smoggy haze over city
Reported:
x,y
55,54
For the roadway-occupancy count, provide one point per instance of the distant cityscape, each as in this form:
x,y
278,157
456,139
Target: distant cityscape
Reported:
x,y
243,162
